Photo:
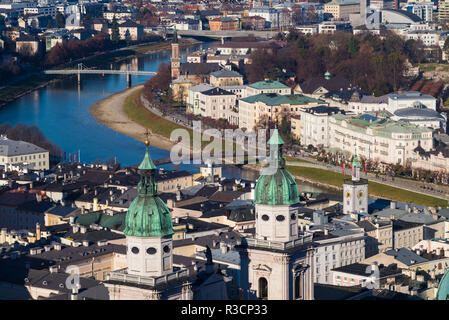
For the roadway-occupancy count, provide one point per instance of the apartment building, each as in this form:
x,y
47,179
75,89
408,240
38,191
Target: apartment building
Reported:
x,y
19,152
379,236
272,106
267,86
225,77
336,249
341,9
378,138
314,125
217,104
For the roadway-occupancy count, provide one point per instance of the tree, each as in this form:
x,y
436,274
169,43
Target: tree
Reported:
x,y
60,20
115,35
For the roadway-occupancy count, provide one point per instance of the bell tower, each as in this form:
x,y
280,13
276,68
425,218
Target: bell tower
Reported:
x,y
148,227
276,199
355,190
175,59
278,259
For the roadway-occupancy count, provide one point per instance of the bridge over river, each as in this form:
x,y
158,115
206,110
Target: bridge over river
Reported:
x,y
82,69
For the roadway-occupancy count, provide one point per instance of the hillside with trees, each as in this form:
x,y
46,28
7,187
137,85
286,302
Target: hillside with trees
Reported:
x,y
375,64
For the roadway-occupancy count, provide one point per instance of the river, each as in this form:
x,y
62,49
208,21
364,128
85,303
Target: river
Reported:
x,y
61,111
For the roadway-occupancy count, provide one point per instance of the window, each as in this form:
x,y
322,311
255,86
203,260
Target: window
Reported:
x,y
166,249
265,217
151,250
280,218
135,250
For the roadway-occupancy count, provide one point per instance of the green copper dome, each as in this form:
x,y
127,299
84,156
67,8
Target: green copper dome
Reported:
x,y
443,288
148,215
279,188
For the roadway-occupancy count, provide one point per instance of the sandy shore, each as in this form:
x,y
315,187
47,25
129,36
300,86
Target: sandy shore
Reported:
x,y
109,112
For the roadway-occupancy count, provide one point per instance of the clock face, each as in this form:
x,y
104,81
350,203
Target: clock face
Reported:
x,y
348,194
360,194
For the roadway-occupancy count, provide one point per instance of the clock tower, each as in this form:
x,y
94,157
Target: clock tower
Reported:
x,y
175,60
355,190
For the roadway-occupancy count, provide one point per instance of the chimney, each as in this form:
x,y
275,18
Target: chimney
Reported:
x,y
85,243
72,220
83,229
38,231
57,246
223,247
53,269
85,190
83,210
326,232
177,220
392,204
102,243
178,195
220,187
253,185
3,235
95,206
47,248
38,197
75,228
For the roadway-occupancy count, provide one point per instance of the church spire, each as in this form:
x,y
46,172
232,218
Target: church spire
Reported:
x,y
276,140
355,166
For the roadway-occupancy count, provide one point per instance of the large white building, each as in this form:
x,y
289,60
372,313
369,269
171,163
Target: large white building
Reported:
x,y
392,102
315,125
378,138
270,15
421,117
272,106
217,104
336,247
410,99
267,86
19,152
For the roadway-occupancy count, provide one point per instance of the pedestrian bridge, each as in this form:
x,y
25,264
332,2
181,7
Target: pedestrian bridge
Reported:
x,y
82,69
266,34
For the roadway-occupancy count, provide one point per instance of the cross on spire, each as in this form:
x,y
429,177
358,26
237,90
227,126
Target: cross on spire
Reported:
x,y
147,136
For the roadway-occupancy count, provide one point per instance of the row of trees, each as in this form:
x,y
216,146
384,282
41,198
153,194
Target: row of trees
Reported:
x,y
8,69
76,49
375,64
31,134
159,84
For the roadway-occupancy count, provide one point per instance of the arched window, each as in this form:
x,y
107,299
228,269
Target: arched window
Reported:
x,y
263,288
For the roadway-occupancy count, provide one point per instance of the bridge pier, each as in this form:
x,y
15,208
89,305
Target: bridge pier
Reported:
x,y
79,77
128,80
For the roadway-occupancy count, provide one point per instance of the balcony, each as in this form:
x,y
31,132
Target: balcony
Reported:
x,y
123,276
278,244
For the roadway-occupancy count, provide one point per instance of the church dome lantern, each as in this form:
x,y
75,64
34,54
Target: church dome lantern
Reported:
x,y
278,188
148,215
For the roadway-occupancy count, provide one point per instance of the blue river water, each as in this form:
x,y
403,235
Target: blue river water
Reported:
x,y
61,111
